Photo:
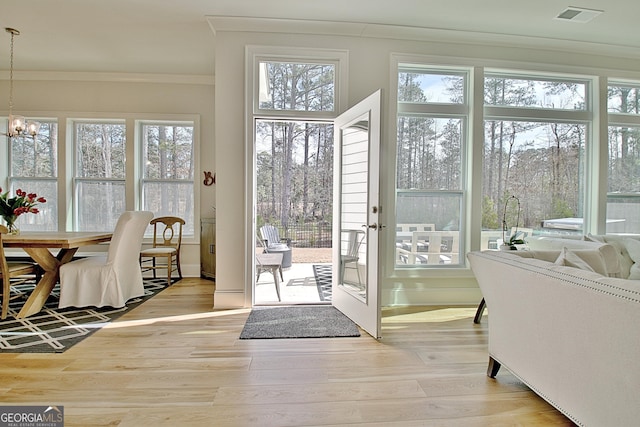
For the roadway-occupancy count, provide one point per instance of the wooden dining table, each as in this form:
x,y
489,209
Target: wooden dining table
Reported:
x,y
50,250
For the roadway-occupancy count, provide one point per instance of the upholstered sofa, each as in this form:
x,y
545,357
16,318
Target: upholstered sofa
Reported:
x,y
566,323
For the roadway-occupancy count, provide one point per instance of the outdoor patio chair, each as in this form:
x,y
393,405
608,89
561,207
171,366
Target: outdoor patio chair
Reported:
x,y
275,245
353,240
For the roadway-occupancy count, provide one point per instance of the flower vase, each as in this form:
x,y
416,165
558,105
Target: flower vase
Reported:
x,y
11,225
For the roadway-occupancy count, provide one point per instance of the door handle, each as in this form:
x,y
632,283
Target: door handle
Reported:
x,y
375,226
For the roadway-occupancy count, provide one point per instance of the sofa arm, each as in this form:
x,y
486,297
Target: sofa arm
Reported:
x,y
569,334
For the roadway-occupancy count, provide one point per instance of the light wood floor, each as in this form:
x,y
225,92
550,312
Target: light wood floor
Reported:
x,y
174,362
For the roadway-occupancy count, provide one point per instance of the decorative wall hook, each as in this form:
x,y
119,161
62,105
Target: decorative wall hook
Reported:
x,y
209,179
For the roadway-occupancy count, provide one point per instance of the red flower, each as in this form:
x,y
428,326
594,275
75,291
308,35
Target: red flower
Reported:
x,y
11,207
19,211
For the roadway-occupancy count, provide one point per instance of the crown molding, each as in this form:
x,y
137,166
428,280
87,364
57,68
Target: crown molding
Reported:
x,y
109,77
396,32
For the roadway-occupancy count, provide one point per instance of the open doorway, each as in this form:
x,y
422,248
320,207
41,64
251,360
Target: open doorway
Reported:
x,y
293,211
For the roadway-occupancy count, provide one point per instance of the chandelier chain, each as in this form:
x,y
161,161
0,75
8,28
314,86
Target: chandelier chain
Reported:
x,y
13,33
18,125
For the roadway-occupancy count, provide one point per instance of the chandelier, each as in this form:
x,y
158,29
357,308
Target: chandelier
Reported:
x,y
18,125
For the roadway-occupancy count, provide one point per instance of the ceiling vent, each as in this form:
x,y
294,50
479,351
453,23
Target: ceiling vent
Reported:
x,y
577,14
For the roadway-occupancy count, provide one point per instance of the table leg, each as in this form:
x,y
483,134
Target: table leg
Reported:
x,y
274,271
51,266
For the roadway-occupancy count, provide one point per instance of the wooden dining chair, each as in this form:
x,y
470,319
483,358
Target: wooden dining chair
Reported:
x,y
12,270
167,238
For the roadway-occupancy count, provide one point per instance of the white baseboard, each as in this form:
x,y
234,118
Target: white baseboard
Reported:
x,y
431,296
224,299
188,270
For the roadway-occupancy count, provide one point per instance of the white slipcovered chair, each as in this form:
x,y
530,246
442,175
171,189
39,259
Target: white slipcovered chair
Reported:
x,y
109,280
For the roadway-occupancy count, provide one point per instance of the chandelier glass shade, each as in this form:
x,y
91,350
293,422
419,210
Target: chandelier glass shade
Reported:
x,y
18,125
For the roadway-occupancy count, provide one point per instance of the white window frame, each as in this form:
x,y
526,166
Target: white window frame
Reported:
x,y
257,54
253,56
554,115
11,178
434,110
620,120
76,180
139,124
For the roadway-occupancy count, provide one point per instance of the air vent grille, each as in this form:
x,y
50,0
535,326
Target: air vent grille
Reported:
x,y
577,14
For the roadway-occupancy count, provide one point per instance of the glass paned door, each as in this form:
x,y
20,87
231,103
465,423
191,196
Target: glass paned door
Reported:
x,y
357,214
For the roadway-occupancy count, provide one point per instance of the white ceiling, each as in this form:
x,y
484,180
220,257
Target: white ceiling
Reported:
x,y
174,37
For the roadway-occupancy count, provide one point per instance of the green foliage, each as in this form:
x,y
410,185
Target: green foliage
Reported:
x,y
294,171
490,220
561,209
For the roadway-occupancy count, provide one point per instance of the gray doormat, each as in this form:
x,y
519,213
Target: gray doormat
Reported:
x,y
298,322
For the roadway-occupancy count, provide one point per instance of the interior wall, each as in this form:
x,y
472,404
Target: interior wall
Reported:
x,y
48,97
369,70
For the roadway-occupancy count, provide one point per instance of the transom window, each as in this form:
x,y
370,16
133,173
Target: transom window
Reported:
x,y
535,92
292,88
417,85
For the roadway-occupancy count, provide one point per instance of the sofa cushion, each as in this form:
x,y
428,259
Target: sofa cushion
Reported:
x,y
610,254
590,260
543,243
617,241
633,249
549,256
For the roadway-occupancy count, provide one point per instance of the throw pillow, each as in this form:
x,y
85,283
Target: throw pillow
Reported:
x,y
570,259
611,258
624,260
633,247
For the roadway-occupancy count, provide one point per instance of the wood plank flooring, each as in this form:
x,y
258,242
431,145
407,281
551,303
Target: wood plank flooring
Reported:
x,y
174,362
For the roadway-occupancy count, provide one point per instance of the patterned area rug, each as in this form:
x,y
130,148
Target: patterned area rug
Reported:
x,y
55,330
322,273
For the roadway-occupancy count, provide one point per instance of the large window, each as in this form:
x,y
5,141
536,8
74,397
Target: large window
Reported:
x,y
623,189
99,182
431,141
168,165
92,169
103,177
536,130
34,169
